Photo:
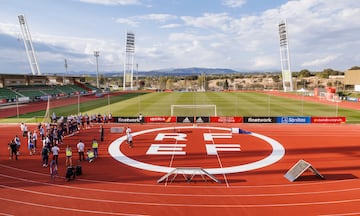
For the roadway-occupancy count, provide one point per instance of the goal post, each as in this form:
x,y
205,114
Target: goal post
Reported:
x,y
193,110
329,97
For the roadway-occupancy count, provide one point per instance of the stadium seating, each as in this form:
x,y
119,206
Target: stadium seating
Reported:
x,y
7,94
36,92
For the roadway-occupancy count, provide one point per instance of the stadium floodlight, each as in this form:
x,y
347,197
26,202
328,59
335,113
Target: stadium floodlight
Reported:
x,y
96,54
30,51
285,57
129,60
66,66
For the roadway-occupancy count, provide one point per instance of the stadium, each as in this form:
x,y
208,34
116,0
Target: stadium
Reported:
x,y
253,152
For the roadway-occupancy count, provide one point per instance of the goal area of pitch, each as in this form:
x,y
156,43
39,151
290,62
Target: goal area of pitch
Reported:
x,y
193,110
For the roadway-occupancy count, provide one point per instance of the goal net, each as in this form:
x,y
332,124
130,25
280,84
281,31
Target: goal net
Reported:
x,y
193,110
329,97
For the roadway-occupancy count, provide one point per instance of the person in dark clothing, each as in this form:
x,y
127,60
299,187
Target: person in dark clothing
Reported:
x,y
45,155
13,149
101,133
70,173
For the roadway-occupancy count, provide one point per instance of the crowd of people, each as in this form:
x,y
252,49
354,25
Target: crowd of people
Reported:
x,y
50,136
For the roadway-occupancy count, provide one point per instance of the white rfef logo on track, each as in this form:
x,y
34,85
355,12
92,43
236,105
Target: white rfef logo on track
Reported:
x,y
277,153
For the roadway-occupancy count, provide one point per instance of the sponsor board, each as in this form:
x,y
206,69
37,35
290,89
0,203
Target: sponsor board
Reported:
x,y
160,119
192,119
259,120
352,99
294,119
185,119
126,119
328,120
226,119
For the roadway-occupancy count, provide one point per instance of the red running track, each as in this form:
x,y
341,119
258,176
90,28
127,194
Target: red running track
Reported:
x,y
108,187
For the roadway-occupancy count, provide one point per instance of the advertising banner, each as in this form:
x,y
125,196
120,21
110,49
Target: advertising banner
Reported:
x,y
294,119
352,99
328,120
262,120
160,119
185,119
129,119
202,119
226,119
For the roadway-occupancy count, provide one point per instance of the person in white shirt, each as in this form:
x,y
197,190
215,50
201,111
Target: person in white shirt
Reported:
x,y
130,140
81,148
128,130
55,151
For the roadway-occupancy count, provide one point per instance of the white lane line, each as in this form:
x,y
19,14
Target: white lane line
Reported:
x,y
174,204
68,209
220,164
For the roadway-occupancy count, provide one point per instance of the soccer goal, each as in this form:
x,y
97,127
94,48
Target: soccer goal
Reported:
x,y
193,110
329,97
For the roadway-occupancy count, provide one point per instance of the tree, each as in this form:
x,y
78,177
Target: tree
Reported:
x,y
304,73
226,85
170,83
355,68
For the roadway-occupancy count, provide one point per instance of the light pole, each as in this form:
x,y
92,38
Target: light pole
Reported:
x,y
66,70
96,54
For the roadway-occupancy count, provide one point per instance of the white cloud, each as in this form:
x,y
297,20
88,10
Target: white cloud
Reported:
x,y
234,3
126,21
113,2
156,17
209,20
264,62
322,34
320,62
135,21
168,26
10,29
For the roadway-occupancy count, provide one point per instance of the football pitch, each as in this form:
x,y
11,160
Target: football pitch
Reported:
x,y
226,103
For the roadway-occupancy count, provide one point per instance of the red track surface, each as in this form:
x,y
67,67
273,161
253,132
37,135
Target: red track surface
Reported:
x,y
108,187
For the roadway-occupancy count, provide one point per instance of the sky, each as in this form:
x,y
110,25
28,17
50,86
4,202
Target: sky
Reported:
x,y
236,34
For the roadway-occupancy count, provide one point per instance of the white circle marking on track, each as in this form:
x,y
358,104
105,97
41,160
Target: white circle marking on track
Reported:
x,y
277,153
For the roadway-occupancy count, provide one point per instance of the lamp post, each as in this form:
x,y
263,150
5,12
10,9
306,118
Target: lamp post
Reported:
x,y
66,70
96,54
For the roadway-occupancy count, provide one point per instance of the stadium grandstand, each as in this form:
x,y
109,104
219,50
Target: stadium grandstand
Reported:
x,y
30,88
352,80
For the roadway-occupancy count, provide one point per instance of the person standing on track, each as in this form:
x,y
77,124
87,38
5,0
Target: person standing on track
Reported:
x,y
130,140
81,150
45,155
68,153
101,133
141,118
55,151
128,130
95,146
18,144
24,129
13,149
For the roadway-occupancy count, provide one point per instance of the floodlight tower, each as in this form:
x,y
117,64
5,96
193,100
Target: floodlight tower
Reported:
x,y
29,46
96,54
285,58
129,61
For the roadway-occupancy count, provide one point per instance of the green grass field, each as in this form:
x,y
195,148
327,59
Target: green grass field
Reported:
x,y
227,104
